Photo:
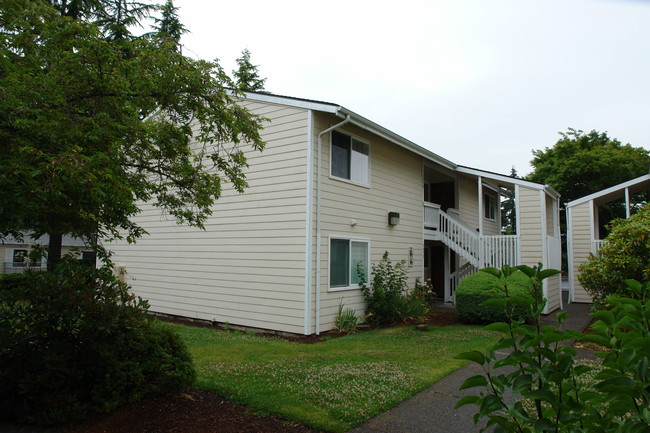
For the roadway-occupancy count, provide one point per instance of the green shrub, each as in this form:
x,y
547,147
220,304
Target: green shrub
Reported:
x,y
481,286
385,290
75,341
625,255
11,281
387,298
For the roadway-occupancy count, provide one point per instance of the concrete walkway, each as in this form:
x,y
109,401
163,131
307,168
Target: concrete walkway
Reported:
x,y
432,410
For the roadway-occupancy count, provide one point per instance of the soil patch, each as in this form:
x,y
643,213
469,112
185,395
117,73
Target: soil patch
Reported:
x,y
436,318
192,412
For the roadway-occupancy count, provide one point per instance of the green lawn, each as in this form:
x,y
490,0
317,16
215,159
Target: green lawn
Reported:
x,y
334,385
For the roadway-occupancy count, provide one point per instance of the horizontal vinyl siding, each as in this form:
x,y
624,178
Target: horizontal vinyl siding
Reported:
x,y
530,224
395,186
247,267
580,246
553,290
468,201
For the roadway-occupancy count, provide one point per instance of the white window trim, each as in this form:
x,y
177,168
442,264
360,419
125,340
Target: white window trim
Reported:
x,y
350,181
9,262
495,207
329,262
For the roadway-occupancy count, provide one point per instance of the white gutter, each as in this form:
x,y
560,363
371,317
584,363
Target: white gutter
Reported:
x,y
318,206
309,204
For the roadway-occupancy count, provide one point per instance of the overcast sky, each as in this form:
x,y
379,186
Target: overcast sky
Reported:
x,y
481,83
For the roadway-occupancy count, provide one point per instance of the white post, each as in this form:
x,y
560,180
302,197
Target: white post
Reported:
x,y
627,202
447,296
480,205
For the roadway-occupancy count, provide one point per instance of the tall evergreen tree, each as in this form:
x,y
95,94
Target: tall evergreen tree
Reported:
x,y
169,26
247,76
508,211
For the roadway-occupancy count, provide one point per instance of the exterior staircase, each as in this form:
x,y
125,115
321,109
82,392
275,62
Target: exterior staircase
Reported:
x,y
478,251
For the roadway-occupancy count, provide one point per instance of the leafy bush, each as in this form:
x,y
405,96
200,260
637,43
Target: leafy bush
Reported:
x,y
541,369
625,255
384,292
74,341
482,286
11,281
386,297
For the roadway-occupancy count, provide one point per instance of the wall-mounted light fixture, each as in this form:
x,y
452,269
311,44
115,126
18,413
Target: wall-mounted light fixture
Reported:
x,y
393,218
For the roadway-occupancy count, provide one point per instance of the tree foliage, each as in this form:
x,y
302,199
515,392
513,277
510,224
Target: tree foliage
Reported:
x,y
91,123
247,76
532,382
169,26
580,164
508,210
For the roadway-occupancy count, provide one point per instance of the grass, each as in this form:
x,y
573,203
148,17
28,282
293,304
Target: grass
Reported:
x,y
334,385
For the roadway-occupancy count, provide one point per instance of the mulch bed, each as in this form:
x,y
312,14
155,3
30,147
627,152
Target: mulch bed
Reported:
x,y
192,412
198,411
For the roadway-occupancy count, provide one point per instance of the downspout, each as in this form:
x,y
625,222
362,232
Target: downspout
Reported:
x,y
481,255
319,150
309,209
569,250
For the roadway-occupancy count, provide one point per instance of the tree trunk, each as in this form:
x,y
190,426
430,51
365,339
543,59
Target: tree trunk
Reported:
x,y
54,251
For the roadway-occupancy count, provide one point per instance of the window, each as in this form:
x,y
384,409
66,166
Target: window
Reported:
x,y
350,159
20,258
347,257
490,207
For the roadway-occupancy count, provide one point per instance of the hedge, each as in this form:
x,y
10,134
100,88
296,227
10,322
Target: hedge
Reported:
x,y
481,286
75,341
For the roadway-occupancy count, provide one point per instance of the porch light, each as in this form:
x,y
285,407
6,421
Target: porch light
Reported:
x,y
393,218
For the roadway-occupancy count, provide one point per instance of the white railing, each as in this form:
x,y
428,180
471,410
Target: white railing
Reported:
x,y
597,244
479,251
19,267
460,239
457,276
499,250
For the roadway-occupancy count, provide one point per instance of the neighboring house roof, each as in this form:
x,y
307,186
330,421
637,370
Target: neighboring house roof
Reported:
x,y
641,183
66,241
362,122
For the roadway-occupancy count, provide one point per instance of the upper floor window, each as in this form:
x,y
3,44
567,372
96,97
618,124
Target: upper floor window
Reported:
x,y
350,159
490,206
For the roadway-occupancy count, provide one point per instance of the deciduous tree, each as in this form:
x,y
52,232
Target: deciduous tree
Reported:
x,y
90,124
580,164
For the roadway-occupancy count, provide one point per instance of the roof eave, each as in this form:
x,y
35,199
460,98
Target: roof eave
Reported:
x,y
610,190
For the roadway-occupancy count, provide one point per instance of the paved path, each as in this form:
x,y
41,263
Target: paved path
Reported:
x,y
432,410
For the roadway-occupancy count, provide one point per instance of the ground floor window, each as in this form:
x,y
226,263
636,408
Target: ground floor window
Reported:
x,y
348,257
20,258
